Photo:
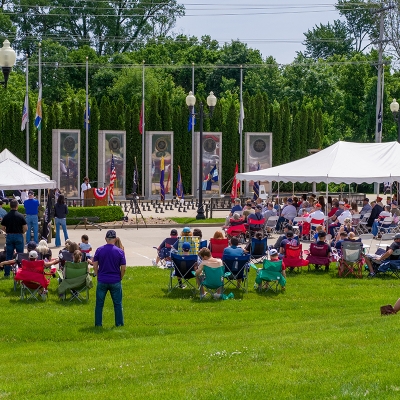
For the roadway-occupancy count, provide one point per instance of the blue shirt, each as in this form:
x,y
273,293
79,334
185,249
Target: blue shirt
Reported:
x,y
236,208
31,206
3,212
110,259
232,251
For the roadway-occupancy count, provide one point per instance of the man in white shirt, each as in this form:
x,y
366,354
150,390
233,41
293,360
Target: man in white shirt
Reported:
x,y
317,215
288,213
345,214
85,186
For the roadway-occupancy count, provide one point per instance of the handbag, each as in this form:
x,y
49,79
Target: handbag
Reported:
x,y
387,310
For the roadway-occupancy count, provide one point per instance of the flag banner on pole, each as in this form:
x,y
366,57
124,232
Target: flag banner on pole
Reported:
x,y
212,177
135,185
38,117
86,119
25,113
113,178
192,121
179,185
256,186
141,120
235,184
162,171
241,117
167,187
380,119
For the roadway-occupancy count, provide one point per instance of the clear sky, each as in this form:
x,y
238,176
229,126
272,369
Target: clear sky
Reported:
x,y
275,27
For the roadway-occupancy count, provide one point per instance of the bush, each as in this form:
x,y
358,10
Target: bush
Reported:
x,y
106,213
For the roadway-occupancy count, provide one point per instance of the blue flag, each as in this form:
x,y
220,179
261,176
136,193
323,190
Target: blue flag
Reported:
x,y
192,121
162,171
212,177
256,187
179,185
86,119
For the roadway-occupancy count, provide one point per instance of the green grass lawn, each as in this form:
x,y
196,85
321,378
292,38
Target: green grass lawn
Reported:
x,y
322,339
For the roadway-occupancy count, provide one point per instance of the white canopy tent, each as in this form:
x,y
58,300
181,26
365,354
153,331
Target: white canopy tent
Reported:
x,y
343,162
15,174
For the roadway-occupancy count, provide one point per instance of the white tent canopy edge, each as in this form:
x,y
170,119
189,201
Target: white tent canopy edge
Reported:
x,y
343,162
16,175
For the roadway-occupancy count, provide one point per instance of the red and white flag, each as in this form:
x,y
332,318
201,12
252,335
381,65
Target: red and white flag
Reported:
x,y
113,177
235,184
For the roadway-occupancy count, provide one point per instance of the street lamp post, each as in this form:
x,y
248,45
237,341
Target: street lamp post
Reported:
x,y
394,108
7,60
211,102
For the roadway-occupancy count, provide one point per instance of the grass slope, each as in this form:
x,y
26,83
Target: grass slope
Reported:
x,y
322,339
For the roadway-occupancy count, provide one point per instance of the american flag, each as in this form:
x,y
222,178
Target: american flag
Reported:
x,y
113,177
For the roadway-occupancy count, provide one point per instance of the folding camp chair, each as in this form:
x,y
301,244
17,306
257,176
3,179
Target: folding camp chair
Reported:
x,y
294,257
238,267
258,250
297,225
252,231
238,231
212,282
269,277
182,270
355,224
32,278
390,267
270,226
351,261
217,247
75,279
318,255
363,223
385,225
366,239
202,244
65,256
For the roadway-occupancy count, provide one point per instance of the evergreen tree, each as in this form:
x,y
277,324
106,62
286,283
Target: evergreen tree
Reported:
x,y
165,112
153,119
128,146
93,139
276,136
216,121
120,113
65,116
295,145
113,116
105,114
303,131
286,132
310,126
259,113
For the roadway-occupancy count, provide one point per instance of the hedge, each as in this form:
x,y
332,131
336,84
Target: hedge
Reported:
x,y
106,213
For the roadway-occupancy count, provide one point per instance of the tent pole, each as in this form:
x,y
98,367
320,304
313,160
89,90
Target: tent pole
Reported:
x,y
326,205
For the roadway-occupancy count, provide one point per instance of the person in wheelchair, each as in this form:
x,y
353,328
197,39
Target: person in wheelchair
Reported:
x,y
164,249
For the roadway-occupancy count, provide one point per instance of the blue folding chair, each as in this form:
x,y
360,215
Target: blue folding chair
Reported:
x,y
258,250
183,266
238,266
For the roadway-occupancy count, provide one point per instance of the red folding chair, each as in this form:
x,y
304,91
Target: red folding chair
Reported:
x,y
318,255
238,231
252,231
294,257
217,247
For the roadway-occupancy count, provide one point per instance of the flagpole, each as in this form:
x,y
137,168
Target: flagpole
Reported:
x,y
193,139
143,149
27,109
40,126
87,117
241,118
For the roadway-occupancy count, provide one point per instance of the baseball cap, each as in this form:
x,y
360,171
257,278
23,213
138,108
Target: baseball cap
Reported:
x,y
394,203
31,245
30,193
273,252
378,199
33,254
290,200
186,229
347,206
111,234
396,236
318,205
341,202
174,232
186,246
366,199
259,207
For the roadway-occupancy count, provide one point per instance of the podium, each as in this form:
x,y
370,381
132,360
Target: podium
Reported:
x,y
90,201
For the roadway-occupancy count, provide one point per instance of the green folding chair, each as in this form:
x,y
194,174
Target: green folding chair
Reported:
x,y
75,280
213,282
269,277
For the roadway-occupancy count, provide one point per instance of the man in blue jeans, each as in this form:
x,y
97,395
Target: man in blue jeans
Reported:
x,y
14,224
109,265
31,208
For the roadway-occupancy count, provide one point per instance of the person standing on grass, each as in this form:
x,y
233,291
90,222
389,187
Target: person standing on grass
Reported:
x,y
109,264
32,208
14,224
